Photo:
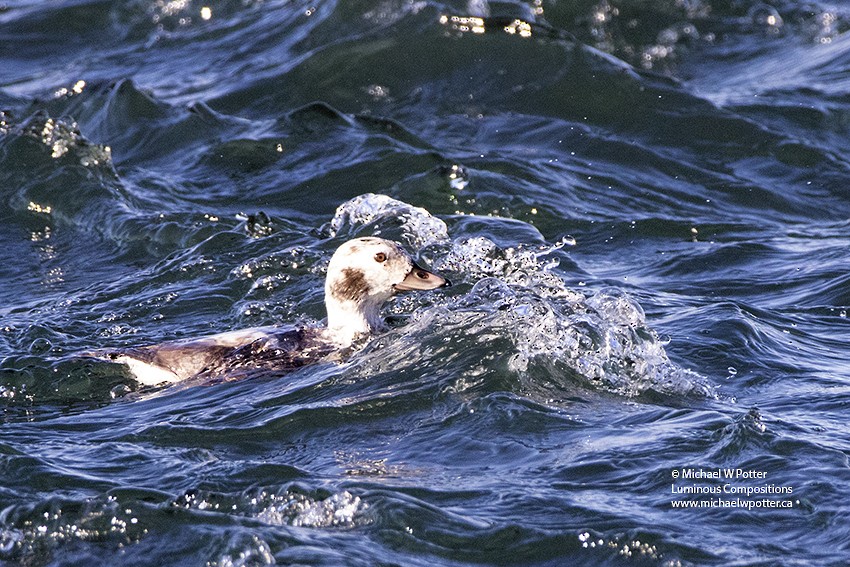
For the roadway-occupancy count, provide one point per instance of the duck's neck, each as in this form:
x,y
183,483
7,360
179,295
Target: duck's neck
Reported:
x,y
347,319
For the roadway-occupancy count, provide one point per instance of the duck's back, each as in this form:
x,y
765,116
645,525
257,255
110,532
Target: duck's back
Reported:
x,y
224,356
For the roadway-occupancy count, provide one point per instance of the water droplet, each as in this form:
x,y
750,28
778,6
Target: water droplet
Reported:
x,y
766,17
40,346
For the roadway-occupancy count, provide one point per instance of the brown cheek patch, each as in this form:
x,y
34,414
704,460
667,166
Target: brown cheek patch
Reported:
x,y
351,286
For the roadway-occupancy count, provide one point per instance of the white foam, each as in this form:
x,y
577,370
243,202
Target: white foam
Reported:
x,y
602,337
420,227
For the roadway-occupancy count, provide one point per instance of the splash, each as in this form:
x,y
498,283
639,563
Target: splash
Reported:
x,y
40,530
285,508
419,227
62,136
601,338
339,510
243,554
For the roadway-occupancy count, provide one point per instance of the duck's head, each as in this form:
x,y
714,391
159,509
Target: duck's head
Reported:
x,y
363,274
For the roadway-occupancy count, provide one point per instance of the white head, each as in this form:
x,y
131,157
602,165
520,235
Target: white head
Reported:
x,y
362,275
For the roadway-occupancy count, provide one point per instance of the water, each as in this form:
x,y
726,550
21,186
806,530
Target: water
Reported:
x,y
643,207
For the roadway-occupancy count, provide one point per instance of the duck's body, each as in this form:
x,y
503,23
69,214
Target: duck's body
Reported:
x,y
226,355
362,275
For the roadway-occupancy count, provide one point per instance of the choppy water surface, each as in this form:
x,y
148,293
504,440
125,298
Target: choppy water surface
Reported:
x,y
643,206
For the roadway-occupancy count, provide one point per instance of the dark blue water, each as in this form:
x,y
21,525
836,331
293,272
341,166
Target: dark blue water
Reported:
x,y
644,207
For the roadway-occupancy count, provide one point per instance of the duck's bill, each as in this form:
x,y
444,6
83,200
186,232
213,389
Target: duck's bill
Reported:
x,y
421,279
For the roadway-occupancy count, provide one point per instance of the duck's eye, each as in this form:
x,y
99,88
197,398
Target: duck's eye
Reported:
x,y
380,257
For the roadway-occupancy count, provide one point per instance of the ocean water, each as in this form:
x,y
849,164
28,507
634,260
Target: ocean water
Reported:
x,y
644,207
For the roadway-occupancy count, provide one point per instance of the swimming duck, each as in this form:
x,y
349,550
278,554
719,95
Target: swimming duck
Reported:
x,y
362,275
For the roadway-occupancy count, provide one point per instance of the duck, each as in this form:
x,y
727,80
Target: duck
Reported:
x,y
362,275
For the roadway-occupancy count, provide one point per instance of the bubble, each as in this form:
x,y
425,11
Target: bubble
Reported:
x,y
464,24
255,552
257,225
625,547
766,17
378,92
824,27
40,346
457,175
683,31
